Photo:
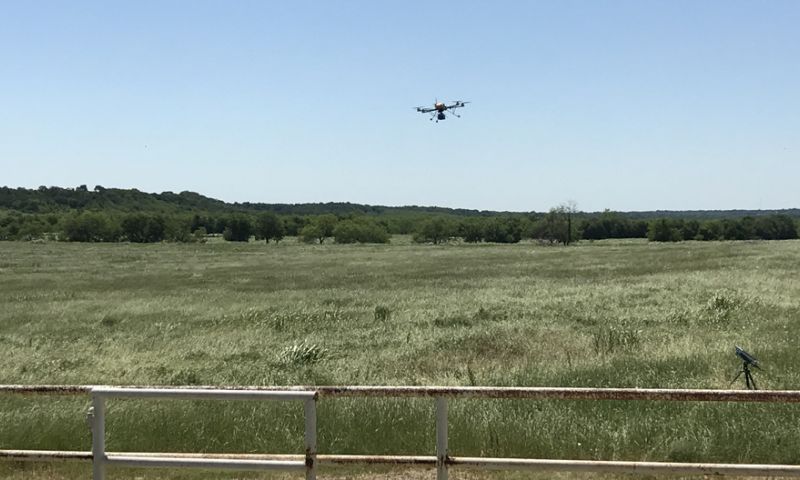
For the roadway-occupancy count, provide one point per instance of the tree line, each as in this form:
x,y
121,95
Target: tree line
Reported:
x,y
561,225
113,215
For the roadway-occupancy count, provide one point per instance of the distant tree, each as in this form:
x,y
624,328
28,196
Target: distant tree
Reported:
x,y
558,225
472,230
178,229
293,224
319,228
689,229
402,224
268,226
360,230
664,230
143,228
709,230
502,230
775,227
611,225
434,230
741,229
89,227
199,235
237,228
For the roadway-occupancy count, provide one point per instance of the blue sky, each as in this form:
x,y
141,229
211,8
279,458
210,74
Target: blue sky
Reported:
x,y
626,105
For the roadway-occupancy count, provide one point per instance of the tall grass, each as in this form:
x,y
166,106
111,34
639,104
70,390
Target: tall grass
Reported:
x,y
621,314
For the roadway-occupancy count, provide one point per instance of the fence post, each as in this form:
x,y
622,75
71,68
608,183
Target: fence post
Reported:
x,y
441,438
311,438
98,438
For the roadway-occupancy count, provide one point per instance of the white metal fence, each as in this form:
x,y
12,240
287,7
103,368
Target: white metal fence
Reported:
x,y
442,461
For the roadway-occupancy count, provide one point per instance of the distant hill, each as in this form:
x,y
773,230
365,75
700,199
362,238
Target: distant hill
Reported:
x,y
59,199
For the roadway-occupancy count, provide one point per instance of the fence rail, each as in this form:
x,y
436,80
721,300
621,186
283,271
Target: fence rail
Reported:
x,y
442,461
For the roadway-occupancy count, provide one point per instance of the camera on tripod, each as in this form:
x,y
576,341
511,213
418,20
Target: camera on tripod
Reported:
x,y
747,362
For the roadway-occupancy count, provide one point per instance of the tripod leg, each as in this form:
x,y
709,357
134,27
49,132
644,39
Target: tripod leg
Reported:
x,y
751,380
736,377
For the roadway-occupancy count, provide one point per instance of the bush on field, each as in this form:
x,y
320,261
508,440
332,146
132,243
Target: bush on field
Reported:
x,y
434,230
143,228
237,228
90,227
319,228
269,227
360,230
664,230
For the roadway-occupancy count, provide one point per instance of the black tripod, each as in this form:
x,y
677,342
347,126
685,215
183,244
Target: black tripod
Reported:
x,y
748,376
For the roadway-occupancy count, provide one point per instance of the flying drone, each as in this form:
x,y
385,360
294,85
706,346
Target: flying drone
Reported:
x,y
439,108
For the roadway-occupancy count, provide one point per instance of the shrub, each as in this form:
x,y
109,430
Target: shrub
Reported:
x,y
434,230
237,229
360,230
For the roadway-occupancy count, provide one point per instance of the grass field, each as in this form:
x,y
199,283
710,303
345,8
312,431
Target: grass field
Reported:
x,y
616,314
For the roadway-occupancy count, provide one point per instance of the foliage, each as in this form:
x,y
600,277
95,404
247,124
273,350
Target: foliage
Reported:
x,y
237,228
268,226
559,225
771,227
664,230
360,230
471,230
90,227
119,214
503,230
434,230
319,228
143,228
612,225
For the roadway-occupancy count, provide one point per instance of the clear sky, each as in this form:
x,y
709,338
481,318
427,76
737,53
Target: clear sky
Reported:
x,y
627,105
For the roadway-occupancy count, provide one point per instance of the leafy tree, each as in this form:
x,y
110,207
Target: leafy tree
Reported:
x,y
742,229
199,235
434,230
269,226
709,230
611,225
558,225
472,230
178,229
237,228
502,230
90,227
293,224
319,228
143,228
360,230
664,230
775,227
689,229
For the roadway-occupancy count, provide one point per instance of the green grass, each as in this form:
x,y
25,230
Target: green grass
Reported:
x,y
606,314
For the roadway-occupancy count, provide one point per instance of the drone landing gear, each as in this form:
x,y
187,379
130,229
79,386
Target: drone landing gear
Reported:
x,y
748,377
